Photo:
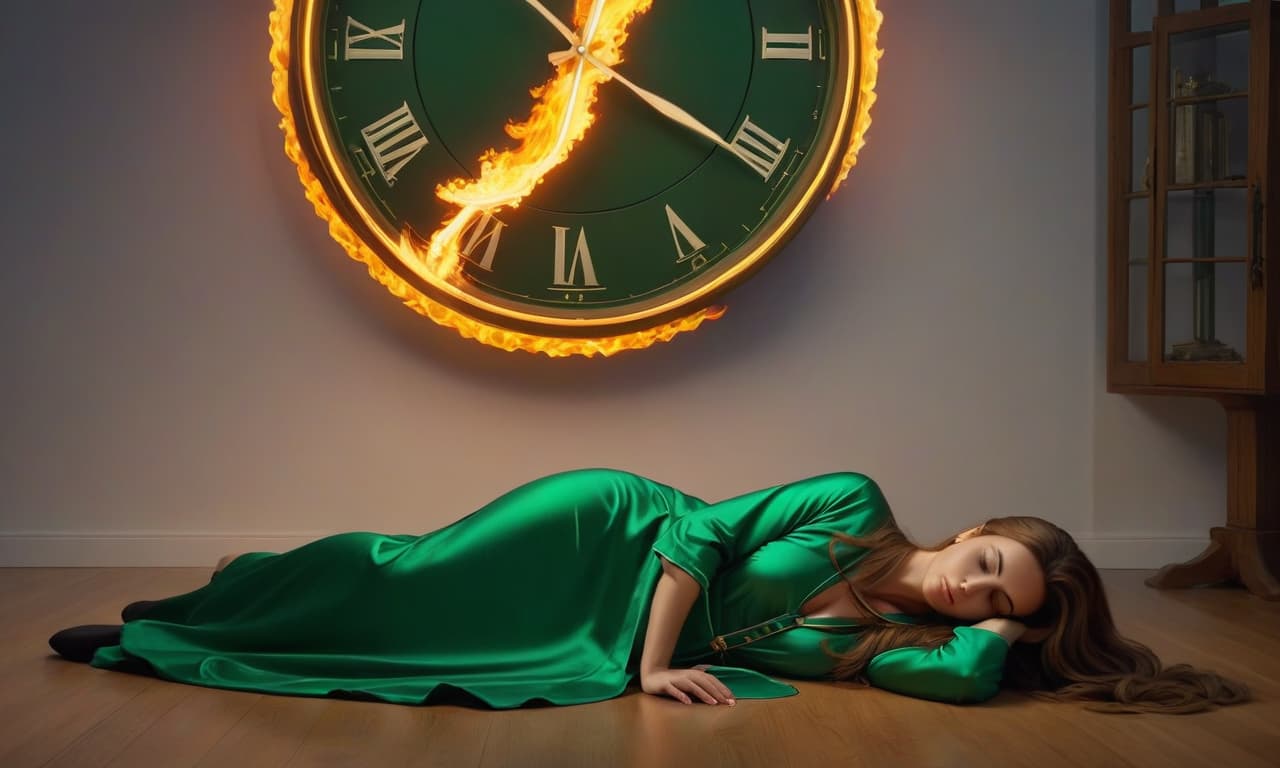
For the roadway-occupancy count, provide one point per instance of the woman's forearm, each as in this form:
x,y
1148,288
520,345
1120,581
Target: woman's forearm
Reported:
x,y
672,600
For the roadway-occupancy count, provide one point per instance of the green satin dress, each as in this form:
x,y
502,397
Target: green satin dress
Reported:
x,y
543,596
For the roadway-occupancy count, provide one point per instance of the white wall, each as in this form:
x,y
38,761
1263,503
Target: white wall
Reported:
x,y
193,367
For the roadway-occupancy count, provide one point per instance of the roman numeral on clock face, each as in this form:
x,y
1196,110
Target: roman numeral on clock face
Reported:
x,y
681,230
365,42
566,271
486,228
778,45
758,148
394,140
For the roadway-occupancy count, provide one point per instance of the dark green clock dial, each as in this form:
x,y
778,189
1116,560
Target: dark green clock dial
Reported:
x,y
646,215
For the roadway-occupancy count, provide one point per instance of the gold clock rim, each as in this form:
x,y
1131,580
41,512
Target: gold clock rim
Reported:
x,y
683,304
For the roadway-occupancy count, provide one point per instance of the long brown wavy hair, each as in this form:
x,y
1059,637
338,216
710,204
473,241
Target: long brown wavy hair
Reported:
x,y
1083,658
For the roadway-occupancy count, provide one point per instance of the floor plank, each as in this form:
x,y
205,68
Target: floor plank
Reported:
x,y
103,743
270,734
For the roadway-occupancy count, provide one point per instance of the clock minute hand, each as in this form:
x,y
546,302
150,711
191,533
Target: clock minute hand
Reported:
x,y
666,108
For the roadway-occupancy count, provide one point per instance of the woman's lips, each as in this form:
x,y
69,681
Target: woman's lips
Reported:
x,y
946,590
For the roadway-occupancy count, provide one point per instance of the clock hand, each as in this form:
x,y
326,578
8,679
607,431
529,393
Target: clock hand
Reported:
x,y
663,106
593,21
555,21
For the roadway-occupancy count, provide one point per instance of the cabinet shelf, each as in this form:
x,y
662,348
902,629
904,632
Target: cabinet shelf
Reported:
x,y
1183,100
1215,184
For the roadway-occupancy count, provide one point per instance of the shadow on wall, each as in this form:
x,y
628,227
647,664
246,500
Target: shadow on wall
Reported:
x,y
1197,422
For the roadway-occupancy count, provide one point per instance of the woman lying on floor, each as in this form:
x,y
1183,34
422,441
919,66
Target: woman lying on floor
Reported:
x,y
569,588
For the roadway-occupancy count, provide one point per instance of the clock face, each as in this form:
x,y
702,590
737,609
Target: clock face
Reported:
x,y
573,169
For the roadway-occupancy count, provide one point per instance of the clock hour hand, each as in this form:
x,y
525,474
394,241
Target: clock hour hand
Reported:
x,y
580,44
555,21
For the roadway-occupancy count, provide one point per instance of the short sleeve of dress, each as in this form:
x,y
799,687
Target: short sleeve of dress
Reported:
x,y
703,541
966,669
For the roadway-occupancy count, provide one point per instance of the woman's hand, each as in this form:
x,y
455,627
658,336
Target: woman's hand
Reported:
x,y
1009,629
1013,631
679,683
1021,633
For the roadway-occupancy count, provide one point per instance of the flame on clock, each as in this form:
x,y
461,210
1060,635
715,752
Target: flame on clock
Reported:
x,y
507,177
869,20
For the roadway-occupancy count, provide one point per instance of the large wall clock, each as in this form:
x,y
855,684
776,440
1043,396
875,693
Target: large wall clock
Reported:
x,y
570,177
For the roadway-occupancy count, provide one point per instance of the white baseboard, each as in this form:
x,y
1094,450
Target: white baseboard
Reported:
x,y
155,549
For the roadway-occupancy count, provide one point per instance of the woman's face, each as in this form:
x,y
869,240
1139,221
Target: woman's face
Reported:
x,y
984,576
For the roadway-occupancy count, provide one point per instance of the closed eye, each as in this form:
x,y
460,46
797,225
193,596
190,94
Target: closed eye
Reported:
x,y
995,600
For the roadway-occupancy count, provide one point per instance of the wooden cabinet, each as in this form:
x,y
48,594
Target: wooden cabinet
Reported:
x,y
1193,278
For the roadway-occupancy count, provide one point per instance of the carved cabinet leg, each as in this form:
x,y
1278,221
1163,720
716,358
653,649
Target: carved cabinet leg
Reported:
x,y
1255,573
1247,549
1211,567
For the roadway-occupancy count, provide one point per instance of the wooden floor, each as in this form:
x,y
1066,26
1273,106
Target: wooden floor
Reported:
x,y
58,713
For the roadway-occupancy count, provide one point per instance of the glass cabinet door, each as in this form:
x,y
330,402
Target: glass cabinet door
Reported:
x,y
1204,198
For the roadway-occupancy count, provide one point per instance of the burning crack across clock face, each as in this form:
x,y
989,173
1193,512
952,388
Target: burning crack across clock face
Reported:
x,y
559,119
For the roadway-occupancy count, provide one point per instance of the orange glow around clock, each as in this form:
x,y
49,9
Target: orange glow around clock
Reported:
x,y
559,119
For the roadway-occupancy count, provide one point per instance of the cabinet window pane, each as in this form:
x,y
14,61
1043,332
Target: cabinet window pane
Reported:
x,y
1140,13
1139,229
1209,62
1205,314
1207,224
1139,236
1210,141
1208,81
1137,313
1141,90
1182,6
1140,155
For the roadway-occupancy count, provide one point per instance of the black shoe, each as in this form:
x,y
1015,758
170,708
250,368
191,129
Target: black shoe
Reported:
x,y
80,643
135,611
